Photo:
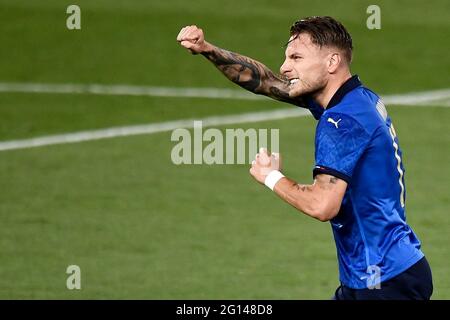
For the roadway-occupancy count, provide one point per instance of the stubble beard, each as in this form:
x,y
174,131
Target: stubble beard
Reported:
x,y
304,87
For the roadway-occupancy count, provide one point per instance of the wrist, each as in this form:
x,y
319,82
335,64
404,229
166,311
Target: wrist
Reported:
x,y
272,178
206,48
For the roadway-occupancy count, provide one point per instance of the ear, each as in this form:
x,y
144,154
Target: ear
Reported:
x,y
334,62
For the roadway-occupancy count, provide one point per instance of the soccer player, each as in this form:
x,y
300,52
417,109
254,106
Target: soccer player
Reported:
x,y
359,183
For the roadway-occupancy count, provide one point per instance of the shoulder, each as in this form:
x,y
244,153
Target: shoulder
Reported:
x,y
359,109
341,126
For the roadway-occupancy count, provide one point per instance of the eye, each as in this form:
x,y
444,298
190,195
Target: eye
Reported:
x,y
297,57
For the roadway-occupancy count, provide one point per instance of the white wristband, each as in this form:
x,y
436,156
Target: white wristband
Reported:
x,y
272,178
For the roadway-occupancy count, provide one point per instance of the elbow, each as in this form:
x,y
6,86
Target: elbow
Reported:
x,y
325,216
323,211
320,216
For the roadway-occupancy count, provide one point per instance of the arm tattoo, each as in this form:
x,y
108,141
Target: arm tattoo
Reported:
x,y
238,69
252,75
299,186
326,183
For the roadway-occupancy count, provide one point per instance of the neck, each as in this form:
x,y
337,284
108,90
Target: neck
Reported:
x,y
323,97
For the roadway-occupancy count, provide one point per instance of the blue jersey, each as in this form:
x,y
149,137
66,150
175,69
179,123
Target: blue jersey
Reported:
x,y
356,142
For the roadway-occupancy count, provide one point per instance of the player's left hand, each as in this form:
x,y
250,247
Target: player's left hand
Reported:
x,y
264,164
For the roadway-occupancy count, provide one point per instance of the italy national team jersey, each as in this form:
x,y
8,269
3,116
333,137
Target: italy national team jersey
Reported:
x,y
356,142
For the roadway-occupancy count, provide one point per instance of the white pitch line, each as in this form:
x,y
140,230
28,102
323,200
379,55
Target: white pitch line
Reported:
x,y
151,128
436,97
418,98
129,90
415,98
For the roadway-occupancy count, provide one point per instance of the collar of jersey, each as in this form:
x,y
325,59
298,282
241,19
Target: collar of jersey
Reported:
x,y
346,87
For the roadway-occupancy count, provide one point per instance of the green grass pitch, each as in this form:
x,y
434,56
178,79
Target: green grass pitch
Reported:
x,y
141,227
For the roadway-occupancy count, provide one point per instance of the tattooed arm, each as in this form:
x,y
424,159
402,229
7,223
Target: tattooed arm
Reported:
x,y
321,200
251,75
245,72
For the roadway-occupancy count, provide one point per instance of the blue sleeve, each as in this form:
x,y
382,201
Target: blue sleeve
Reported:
x,y
340,142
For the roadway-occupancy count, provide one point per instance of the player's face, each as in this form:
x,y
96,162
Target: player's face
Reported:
x,y
305,66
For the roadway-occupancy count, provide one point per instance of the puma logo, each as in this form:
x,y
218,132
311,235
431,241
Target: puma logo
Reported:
x,y
334,122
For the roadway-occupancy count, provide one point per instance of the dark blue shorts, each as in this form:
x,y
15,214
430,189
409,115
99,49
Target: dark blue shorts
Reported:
x,y
414,283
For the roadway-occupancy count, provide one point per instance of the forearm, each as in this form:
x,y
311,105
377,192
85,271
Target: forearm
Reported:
x,y
321,200
302,197
242,70
250,74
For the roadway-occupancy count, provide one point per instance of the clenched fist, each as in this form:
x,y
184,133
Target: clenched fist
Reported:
x,y
264,164
193,39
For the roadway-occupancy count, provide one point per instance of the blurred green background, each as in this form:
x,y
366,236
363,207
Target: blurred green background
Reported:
x,y
141,227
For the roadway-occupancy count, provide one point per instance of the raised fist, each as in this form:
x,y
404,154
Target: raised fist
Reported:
x,y
193,39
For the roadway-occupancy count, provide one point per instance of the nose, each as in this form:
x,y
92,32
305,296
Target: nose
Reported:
x,y
285,68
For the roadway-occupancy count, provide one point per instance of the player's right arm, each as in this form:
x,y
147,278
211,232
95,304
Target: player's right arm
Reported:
x,y
245,72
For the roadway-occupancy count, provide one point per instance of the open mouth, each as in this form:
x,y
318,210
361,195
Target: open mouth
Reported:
x,y
293,81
